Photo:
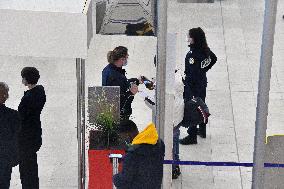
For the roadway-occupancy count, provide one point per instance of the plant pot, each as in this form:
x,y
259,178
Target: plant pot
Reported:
x,y
100,168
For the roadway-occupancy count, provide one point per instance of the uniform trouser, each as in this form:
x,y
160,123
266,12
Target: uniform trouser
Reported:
x,y
5,175
201,92
176,134
192,132
29,171
202,126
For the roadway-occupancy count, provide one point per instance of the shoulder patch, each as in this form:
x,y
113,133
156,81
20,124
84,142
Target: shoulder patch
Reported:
x,y
191,60
206,62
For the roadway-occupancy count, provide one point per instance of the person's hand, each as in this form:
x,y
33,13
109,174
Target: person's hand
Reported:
x,y
140,79
134,89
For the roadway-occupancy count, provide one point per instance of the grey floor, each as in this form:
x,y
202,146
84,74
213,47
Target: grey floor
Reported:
x,y
233,29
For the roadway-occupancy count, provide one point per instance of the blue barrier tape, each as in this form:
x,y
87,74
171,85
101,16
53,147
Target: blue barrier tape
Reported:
x,y
226,164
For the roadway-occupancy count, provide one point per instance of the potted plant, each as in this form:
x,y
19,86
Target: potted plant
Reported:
x,y
104,115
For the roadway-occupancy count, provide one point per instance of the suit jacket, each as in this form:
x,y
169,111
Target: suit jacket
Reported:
x,y
30,109
10,125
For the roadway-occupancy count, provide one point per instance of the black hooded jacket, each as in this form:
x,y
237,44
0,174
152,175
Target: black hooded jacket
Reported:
x,y
143,163
30,109
10,125
142,167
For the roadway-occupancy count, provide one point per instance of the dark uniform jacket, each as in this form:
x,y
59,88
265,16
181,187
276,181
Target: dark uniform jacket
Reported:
x,y
196,66
30,109
115,76
10,125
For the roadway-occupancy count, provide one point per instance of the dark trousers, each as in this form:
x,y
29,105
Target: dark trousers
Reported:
x,y
5,175
202,126
192,132
29,171
124,117
196,92
176,134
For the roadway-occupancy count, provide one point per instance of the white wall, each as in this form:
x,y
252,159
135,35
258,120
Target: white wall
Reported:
x,y
71,6
43,34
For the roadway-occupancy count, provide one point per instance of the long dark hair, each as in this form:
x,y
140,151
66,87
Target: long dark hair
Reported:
x,y
199,38
116,54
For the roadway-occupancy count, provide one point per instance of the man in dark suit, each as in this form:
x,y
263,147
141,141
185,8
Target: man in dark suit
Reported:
x,y
9,128
30,137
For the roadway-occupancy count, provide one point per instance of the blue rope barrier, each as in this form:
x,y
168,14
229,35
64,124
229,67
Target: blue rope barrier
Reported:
x,y
226,164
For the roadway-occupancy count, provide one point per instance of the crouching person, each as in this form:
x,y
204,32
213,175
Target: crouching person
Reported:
x,y
10,124
143,162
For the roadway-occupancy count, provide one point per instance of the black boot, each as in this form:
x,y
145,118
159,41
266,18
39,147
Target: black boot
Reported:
x,y
176,172
192,136
187,140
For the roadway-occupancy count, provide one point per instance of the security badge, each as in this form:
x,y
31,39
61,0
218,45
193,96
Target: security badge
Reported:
x,y
191,61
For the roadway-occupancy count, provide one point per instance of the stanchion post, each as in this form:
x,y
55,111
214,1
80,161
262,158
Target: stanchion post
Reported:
x,y
115,158
80,74
263,93
83,127
79,109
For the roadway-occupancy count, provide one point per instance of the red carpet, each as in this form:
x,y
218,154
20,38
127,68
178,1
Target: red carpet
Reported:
x,y
100,168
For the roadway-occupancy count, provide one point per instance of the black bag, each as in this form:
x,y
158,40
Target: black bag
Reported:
x,y
141,29
195,112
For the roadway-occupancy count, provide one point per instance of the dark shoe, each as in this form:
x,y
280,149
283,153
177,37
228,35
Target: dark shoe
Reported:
x,y
202,135
187,141
176,173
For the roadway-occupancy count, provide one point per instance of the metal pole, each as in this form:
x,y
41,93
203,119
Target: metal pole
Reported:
x,y
154,15
263,93
114,168
114,158
161,64
79,108
161,74
83,121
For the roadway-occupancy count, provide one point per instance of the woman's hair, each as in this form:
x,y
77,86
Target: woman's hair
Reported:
x,y
116,54
31,75
200,42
